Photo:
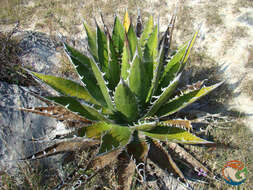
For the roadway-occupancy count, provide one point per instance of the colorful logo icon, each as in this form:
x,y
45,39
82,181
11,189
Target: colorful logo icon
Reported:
x,y
234,172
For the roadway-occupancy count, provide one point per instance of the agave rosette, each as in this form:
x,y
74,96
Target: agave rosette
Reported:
x,y
127,89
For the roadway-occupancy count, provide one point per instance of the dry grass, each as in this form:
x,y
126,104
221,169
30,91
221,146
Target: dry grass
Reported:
x,y
66,15
244,3
212,14
235,34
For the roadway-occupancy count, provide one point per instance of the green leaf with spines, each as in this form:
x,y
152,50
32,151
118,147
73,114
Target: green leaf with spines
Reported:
x,y
102,84
94,131
82,65
118,36
147,31
167,92
164,132
67,87
125,67
92,41
150,57
172,67
102,51
144,126
113,66
139,82
117,136
76,107
187,53
133,42
157,70
180,102
151,51
125,101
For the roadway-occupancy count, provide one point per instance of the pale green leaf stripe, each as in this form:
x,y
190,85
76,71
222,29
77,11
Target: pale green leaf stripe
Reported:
x,y
139,82
172,67
164,96
67,87
173,134
118,36
117,136
147,31
125,101
101,82
92,40
125,68
184,100
77,108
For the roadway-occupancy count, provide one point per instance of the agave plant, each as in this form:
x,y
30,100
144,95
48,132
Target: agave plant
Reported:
x,y
125,100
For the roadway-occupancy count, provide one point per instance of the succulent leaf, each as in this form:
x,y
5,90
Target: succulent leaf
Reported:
x,y
113,69
184,100
102,50
157,70
101,161
125,67
102,84
57,112
118,36
147,126
150,58
83,66
139,81
186,157
133,42
76,107
67,87
64,146
125,101
94,131
147,31
164,96
165,132
189,48
92,40
117,136
172,67
151,52
164,160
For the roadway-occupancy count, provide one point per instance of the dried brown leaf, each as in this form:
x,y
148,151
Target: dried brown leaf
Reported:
x,y
163,159
64,146
126,169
